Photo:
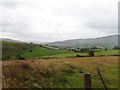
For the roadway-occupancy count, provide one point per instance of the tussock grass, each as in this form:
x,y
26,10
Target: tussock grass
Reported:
x,y
60,73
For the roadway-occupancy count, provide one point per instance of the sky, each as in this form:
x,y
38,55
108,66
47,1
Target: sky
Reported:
x,y
57,20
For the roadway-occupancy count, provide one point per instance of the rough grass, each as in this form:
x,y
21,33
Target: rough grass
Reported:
x,y
11,48
60,73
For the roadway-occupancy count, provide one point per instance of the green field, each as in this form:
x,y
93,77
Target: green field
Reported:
x,y
73,54
40,51
12,49
101,53
107,53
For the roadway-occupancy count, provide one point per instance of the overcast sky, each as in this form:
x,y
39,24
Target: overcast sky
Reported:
x,y
52,20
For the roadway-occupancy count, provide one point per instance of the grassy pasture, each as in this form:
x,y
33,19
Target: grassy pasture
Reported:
x,y
60,73
73,54
11,49
40,51
107,53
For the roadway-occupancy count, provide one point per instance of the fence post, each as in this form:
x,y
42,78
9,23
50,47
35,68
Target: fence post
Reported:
x,y
87,81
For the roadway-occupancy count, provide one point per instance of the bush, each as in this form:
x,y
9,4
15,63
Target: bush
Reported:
x,y
19,57
91,53
106,49
78,55
40,45
84,50
5,57
116,47
31,42
30,50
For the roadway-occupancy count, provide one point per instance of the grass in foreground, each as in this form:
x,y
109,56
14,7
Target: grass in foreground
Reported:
x,y
60,73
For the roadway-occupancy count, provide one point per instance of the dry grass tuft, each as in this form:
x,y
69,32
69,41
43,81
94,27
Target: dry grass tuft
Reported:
x,y
37,72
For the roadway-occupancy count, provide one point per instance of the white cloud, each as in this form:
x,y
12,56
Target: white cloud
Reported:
x,y
51,20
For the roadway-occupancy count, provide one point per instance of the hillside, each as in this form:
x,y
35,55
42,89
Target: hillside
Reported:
x,y
107,42
10,40
41,51
11,49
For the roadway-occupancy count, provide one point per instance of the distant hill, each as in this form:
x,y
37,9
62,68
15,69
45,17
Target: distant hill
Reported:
x,y
107,42
10,40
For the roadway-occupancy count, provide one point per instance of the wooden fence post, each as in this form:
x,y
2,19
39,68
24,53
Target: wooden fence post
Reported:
x,y
87,81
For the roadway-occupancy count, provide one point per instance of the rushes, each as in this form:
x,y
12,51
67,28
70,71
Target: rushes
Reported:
x,y
42,73
15,69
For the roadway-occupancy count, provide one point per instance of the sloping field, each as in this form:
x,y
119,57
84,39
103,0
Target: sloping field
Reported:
x,y
11,49
60,73
107,53
40,51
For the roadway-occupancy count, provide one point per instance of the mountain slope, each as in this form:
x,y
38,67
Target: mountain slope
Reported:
x,y
10,40
107,42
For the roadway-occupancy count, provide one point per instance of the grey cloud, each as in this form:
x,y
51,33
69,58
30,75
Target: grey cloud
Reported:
x,y
52,20
109,25
101,20
99,17
9,4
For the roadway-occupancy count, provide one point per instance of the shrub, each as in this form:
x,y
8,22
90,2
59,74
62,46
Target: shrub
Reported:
x,y
90,53
40,45
106,49
31,42
19,57
116,47
78,55
30,50
5,57
84,49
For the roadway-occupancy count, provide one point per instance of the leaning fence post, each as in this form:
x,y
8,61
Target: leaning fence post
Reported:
x,y
87,81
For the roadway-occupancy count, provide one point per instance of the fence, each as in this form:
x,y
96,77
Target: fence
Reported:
x,y
88,81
